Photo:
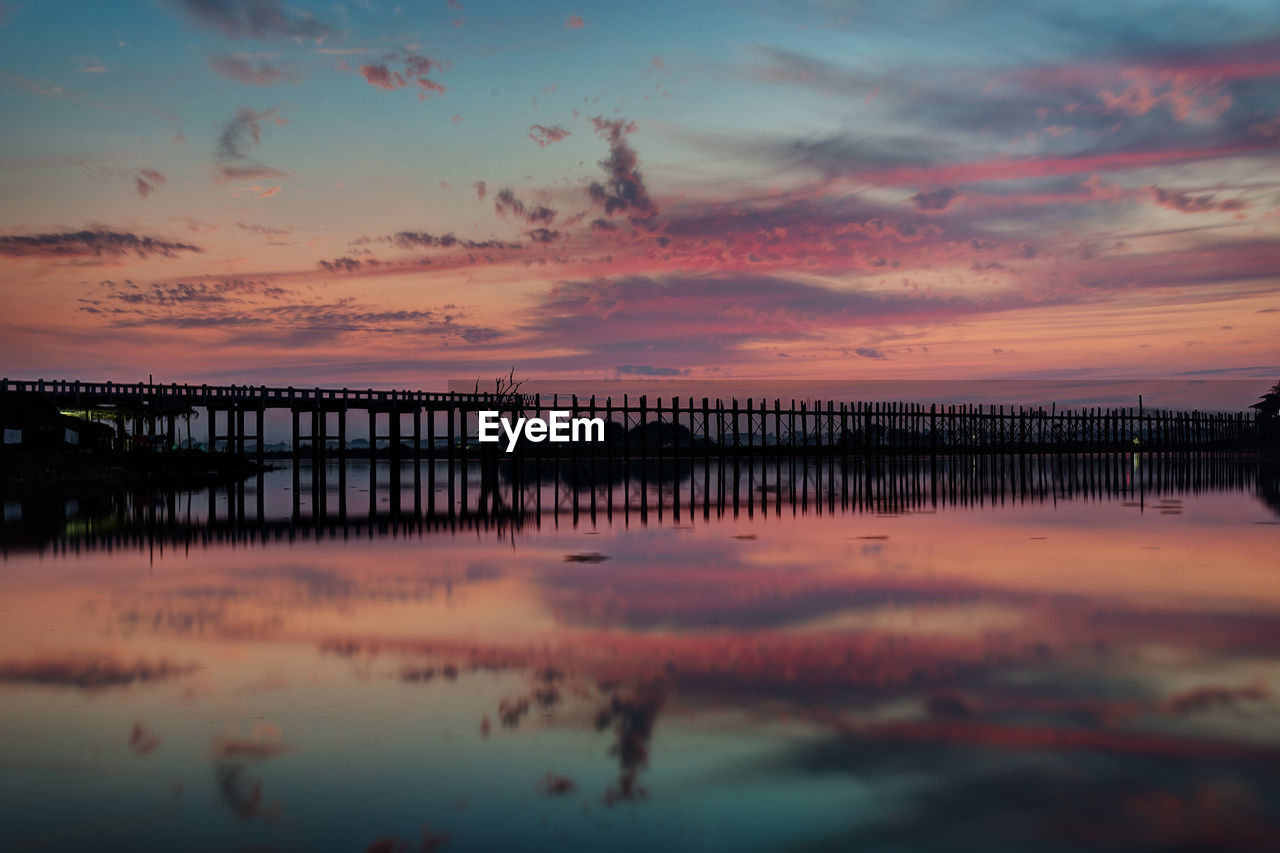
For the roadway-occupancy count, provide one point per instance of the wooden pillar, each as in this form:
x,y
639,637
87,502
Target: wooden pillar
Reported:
x,y
431,434
644,432
417,434
449,412
393,423
734,431
342,439
465,492
295,459
706,434
777,431
319,436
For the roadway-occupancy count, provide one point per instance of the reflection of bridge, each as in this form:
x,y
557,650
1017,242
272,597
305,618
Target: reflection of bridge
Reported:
x,y
440,423
357,500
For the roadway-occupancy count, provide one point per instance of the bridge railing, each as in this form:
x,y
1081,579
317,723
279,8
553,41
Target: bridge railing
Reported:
x,y
205,394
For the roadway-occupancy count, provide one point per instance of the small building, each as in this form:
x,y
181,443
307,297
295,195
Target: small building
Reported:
x,y
32,422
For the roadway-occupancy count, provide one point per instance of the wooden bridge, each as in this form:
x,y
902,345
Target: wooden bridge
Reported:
x,y
443,423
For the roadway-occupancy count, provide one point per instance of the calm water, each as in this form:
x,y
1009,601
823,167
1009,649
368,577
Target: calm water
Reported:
x,y
977,655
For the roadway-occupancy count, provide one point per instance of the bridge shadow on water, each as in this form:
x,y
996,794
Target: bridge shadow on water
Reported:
x,y
360,500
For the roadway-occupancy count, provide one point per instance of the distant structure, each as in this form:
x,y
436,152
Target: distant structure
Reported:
x,y
1269,405
443,425
34,422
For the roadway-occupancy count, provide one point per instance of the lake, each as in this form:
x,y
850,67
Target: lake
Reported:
x,y
963,653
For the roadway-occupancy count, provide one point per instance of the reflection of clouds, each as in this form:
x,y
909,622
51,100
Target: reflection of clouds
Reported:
x,y
1034,738
235,760
1042,794
1212,697
686,595
240,789
197,619
556,786
971,679
89,671
270,681
429,841
511,710
1062,684
259,601
142,741
632,718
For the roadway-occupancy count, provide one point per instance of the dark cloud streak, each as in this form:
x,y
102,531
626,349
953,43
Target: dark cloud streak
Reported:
x,y
261,19
92,244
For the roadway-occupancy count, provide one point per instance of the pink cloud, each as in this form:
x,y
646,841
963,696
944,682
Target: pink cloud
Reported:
x,y
414,70
147,181
1185,203
936,200
1016,168
545,136
382,77
238,68
575,22
1186,98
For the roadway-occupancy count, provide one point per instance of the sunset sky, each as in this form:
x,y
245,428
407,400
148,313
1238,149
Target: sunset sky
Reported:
x,y
401,193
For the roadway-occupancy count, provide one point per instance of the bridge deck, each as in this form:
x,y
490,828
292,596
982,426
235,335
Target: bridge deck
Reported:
x,y
91,394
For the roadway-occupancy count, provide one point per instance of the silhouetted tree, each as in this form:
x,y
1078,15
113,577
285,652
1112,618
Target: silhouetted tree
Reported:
x,y
1269,405
506,389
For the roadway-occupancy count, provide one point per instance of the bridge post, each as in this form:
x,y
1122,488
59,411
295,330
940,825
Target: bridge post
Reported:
x,y
452,435
319,436
462,427
449,406
393,430
431,433
417,457
737,450
644,441
342,435
373,437
261,417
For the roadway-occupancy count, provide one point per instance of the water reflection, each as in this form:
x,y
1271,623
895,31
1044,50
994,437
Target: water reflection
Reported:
x,y
357,499
987,654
